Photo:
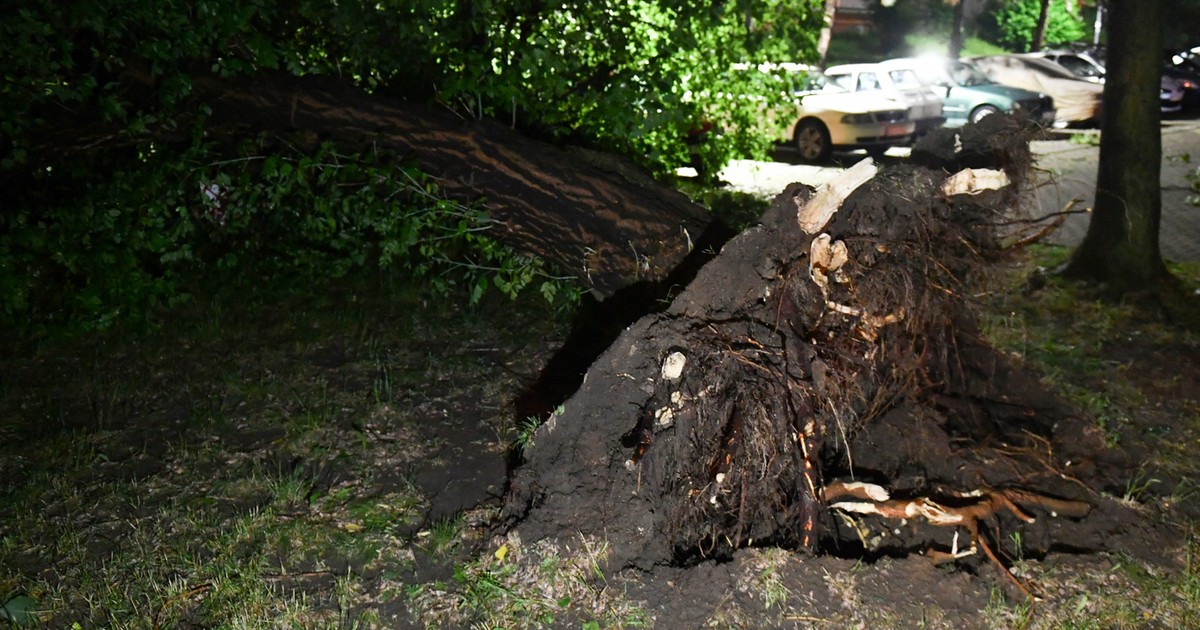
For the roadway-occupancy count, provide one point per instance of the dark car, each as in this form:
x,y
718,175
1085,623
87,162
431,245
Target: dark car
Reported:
x,y
1184,67
1189,82
1080,64
1172,92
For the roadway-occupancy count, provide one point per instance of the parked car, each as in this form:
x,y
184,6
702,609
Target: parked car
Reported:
x,y
1081,64
897,83
1077,102
1184,67
1187,81
1084,66
1170,95
968,94
815,116
829,117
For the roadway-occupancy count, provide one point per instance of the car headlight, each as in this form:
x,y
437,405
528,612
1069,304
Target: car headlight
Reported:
x,y
858,119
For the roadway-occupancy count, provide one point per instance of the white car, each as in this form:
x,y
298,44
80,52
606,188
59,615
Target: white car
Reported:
x,y
828,117
823,117
896,82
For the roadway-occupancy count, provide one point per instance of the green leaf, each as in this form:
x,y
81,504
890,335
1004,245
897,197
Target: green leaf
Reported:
x,y
21,610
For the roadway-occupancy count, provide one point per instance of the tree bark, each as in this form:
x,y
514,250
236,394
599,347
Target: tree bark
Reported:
x,y
826,34
1039,31
596,216
956,30
1121,246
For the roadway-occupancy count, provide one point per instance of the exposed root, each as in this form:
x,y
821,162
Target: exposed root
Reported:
x,y
1024,239
981,505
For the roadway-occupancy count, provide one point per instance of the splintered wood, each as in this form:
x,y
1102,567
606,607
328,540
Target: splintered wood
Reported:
x,y
816,213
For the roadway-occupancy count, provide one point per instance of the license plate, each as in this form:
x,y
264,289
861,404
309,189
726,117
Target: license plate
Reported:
x,y
895,130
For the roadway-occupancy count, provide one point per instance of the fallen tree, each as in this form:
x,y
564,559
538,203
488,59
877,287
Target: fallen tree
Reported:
x,y
823,385
595,216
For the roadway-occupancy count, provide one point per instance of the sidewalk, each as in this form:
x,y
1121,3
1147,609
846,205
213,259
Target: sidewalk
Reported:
x,y
1068,170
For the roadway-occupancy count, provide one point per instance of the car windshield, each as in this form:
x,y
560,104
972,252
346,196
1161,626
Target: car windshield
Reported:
x,y
813,82
947,73
904,79
965,75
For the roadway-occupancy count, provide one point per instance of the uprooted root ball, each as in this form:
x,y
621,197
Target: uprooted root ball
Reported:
x,y
804,358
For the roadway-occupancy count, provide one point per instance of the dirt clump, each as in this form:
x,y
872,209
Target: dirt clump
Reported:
x,y
828,390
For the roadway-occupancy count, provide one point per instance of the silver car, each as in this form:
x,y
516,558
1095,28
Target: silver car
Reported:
x,y
896,82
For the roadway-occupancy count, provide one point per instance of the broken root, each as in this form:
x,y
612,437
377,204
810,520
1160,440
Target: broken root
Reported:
x,y
974,507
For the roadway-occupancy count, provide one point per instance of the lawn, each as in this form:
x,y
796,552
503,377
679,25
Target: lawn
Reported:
x,y
336,459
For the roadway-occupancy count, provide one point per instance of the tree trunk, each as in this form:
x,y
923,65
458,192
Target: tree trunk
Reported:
x,y
595,216
1039,31
956,30
826,31
1121,246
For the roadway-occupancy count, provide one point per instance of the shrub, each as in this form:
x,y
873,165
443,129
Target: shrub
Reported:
x,y
1012,24
177,220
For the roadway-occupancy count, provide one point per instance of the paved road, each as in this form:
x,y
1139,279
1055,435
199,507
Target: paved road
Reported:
x,y
1067,170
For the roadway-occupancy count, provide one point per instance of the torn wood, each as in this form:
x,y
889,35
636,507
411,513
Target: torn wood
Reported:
x,y
817,212
972,181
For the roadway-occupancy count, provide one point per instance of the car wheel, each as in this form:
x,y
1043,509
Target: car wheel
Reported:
x,y
979,113
812,140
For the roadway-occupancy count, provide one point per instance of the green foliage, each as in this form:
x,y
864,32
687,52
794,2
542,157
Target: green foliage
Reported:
x,y
179,220
921,17
125,200
621,75
20,610
525,432
1012,24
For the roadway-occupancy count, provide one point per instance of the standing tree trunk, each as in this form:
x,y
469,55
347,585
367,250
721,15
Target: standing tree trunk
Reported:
x,y
1098,24
826,31
1121,246
1039,32
956,31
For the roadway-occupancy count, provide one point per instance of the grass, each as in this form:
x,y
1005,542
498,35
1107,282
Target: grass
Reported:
x,y
1068,337
544,585
1084,346
235,471
259,469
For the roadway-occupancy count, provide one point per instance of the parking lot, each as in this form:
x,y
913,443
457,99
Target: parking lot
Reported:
x,y
1066,170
